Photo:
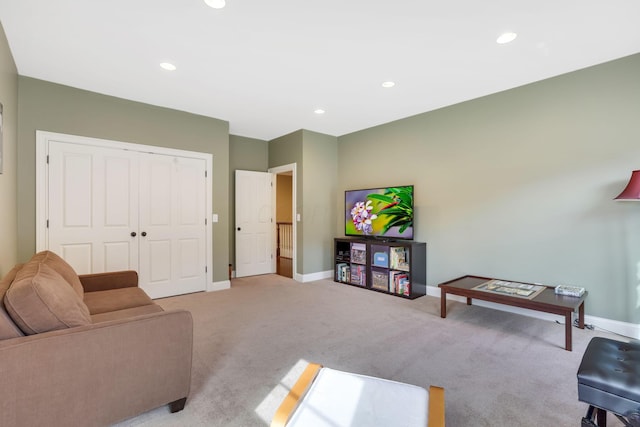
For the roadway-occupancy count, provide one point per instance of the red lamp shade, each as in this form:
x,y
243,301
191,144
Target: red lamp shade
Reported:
x,y
632,190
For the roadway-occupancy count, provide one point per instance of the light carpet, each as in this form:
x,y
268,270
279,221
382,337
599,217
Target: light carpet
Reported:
x,y
251,342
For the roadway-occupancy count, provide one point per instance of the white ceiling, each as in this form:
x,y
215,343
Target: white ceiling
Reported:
x,y
265,66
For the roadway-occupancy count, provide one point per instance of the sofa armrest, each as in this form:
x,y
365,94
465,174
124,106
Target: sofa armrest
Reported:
x,y
97,374
111,280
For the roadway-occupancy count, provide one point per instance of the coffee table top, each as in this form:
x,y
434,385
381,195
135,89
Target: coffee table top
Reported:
x,y
547,297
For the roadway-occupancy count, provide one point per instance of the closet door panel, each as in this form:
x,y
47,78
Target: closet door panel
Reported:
x,y
191,217
92,208
172,225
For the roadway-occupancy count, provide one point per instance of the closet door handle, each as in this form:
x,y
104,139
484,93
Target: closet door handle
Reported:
x,y
144,233
133,234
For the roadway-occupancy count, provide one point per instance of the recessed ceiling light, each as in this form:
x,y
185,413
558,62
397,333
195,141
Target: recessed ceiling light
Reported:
x,y
318,111
388,84
216,4
168,66
506,38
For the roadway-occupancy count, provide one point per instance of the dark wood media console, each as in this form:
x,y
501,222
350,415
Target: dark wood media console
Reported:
x,y
393,267
547,301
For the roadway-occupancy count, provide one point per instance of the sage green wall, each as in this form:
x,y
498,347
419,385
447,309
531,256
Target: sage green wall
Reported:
x,y
519,185
284,151
315,156
8,196
320,177
56,108
244,154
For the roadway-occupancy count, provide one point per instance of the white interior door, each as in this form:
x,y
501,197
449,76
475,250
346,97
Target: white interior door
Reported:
x,y
93,209
253,223
172,225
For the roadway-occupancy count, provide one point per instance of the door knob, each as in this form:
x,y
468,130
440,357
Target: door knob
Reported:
x,y
238,228
144,233
133,234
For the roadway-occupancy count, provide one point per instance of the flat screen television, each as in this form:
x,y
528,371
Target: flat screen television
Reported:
x,y
385,212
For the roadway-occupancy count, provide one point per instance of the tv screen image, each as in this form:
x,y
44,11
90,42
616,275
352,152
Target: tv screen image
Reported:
x,y
385,212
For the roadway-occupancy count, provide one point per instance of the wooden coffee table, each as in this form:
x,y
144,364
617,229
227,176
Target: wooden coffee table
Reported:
x,y
546,301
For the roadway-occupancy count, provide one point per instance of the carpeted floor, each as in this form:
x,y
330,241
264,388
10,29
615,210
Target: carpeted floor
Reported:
x,y
251,342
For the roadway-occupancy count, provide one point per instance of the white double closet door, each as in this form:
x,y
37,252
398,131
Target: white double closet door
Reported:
x,y
111,209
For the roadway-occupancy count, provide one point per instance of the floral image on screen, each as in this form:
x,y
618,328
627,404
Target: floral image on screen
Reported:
x,y
384,212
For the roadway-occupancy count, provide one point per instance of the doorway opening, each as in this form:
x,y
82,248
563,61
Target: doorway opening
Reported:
x,y
284,224
285,220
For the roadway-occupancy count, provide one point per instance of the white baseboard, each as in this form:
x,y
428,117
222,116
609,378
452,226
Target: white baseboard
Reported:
x,y
630,330
313,276
218,286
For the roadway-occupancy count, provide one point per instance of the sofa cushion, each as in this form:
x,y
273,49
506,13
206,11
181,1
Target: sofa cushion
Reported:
x,y
8,328
127,313
116,299
62,267
41,300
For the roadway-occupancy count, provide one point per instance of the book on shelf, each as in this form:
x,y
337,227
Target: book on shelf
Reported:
x,y
399,258
359,253
343,272
399,283
403,287
358,275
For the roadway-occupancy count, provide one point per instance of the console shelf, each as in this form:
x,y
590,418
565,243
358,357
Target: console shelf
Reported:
x,y
397,268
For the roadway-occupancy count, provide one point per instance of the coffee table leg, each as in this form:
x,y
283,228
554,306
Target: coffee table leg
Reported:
x,y
443,303
567,331
581,316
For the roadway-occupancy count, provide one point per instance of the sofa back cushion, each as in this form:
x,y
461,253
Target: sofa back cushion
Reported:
x,y
62,268
41,300
8,328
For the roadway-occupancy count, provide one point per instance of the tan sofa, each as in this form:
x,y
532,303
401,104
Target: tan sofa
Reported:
x,y
87,350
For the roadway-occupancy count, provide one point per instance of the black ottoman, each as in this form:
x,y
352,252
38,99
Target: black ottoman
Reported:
x,y
609,380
